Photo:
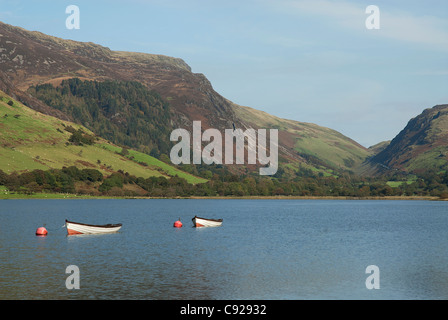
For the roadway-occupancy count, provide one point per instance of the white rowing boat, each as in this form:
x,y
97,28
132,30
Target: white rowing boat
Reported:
x,y
83,228
202,222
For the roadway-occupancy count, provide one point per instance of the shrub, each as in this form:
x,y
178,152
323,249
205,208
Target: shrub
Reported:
x,y
114,180
80,138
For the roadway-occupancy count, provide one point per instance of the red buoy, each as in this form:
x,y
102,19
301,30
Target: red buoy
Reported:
x,y
177,224
41,231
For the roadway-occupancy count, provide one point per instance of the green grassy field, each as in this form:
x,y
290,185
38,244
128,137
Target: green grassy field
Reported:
x,y
31,140
396,184
155,163
5,194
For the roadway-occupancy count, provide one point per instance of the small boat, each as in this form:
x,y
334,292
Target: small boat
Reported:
x,y
82,228
202,222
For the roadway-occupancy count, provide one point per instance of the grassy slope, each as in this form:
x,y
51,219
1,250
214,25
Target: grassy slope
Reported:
x,y
326,144
30,140
434,156
156,163
422,145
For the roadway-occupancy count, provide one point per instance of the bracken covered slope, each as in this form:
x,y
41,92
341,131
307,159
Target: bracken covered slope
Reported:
x,y
421,145
29,58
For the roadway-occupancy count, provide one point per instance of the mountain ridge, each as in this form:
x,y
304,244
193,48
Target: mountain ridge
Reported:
x,y
424,138
30,58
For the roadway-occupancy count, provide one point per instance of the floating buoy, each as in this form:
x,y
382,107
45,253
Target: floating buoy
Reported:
x,y
41,231
177,224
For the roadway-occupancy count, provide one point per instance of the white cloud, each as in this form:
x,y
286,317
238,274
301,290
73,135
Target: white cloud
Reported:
x,y
427,30
397,25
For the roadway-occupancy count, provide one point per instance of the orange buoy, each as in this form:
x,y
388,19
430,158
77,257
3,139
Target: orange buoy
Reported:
x,y
41,231
177,224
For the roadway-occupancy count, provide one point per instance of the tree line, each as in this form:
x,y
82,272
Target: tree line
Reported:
x,y
93,182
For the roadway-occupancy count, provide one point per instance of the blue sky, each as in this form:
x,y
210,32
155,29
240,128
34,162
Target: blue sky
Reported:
x,y
306,60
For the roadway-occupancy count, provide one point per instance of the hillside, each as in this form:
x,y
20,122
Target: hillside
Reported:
x,y
31,58
31,140
78,116
123,112
319,146
39,71
378,147
422,145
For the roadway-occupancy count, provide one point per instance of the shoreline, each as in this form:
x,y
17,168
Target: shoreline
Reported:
x,y
322,198
51,196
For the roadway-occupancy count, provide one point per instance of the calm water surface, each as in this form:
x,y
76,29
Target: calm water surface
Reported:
x,y
266,249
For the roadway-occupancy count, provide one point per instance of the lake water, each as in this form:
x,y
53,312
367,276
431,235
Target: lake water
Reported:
x,y
265,249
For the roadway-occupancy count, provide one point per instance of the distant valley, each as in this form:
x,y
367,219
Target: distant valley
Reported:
x,y
130,102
